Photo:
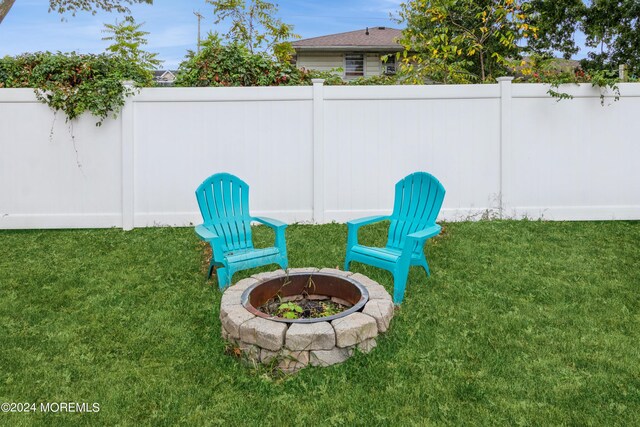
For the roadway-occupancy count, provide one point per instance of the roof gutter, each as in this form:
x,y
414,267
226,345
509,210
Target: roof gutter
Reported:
x,y
394,48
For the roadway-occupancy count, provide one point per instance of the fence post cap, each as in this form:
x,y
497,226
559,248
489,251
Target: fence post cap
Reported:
x,y
317,81
505,79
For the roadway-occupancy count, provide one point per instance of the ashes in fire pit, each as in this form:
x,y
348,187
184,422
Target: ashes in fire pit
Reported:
x,y
256,323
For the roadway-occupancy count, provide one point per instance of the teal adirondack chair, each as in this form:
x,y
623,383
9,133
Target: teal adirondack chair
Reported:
x,y
224,204
418,200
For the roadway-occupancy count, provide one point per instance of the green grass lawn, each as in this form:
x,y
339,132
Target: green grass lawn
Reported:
x,y
521,323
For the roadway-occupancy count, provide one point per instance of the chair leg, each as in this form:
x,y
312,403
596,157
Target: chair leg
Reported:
x,y
425,265
399,283
283,262
212,268
347,263
224,277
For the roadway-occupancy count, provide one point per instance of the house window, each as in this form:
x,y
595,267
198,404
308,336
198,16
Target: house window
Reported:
x,y
354,65
389,66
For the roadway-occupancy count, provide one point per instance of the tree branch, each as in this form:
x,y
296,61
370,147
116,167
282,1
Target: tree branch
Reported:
x,y
5,6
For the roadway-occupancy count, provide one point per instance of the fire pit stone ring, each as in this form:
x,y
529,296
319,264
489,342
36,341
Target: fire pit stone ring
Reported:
x,y
294,344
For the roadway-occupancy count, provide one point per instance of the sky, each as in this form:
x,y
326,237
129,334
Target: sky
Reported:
x,y
172,25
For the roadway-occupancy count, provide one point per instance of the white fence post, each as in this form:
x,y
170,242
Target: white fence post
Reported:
x,y
128,124
318,151
505,133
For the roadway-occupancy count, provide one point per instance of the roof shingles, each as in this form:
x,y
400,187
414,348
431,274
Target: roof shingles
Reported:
x,y
377,37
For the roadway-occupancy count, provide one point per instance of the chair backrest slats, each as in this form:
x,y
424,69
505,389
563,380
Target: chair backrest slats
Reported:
x,y
421,206
417,203
221,213
244,211
231,217
224,204
237,210
208,208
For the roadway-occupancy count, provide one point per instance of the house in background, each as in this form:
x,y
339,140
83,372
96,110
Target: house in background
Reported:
x,y
164,77
357,53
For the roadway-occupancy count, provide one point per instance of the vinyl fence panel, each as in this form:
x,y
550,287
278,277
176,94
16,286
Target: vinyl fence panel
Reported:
x,y
323,153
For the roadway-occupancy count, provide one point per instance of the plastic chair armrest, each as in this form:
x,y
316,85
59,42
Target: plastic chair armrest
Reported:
x,y
422,235
269,222
357,223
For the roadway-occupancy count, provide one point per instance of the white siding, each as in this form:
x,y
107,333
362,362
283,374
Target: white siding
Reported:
x,y
326,61
321,61
372,65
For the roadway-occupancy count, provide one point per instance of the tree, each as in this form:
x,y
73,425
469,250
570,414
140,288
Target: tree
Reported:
x,y
232,64
127,40
254,25
459,41
613,26
5,6
73,6
557,23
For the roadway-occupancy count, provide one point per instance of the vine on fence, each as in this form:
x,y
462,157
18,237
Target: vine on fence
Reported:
x,y
71,82
546,70
76,83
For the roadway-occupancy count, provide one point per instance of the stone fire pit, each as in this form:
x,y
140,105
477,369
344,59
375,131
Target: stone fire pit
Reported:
x,y
293,344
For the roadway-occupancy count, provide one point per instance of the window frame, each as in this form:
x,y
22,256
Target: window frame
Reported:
x,y
391,60
364,63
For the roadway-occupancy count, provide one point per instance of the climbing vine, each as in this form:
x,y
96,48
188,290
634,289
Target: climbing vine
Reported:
x,y
547,70
73,83
233,64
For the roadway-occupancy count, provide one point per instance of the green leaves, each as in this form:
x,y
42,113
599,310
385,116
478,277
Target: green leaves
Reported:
x,y
77,83
71,82
255,26
613,26
127,38
462,41
289,310
234,65
557,22
610,26
73,6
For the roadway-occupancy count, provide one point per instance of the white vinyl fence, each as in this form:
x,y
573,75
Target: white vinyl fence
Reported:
x,y
323,153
